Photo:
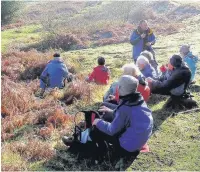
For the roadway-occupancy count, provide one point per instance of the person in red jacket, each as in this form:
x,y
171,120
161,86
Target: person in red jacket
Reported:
x,y
100,74
129,69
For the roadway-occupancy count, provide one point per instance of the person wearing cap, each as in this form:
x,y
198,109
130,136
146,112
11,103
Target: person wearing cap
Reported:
x,y
100,74
189,59
175,84
132,124
54,74
145,67
142,39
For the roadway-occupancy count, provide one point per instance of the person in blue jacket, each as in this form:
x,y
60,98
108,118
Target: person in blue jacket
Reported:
x,y
142,39
145,67
189,59
132,124
54,74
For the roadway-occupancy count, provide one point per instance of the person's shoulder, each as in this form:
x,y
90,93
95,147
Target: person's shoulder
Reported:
x,y
96,67
103,68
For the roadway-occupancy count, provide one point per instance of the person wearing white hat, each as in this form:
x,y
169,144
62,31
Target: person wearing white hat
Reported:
x,y
189,59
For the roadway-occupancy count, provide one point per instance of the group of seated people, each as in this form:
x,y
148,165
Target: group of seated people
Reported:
x,y
126,119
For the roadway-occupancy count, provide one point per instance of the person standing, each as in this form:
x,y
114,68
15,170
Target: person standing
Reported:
x,y
142,39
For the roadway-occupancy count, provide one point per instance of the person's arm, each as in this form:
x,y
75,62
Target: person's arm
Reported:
x,y
135,38
154,74
164,87
117,125
65,71
44,75
92,76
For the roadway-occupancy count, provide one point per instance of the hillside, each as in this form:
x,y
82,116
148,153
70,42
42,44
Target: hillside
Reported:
x,y
32,128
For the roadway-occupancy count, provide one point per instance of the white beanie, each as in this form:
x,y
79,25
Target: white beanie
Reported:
x,y
127,85
185,49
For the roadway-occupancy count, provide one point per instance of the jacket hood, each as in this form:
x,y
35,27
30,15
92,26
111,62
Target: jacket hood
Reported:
x,y
133,99
56,61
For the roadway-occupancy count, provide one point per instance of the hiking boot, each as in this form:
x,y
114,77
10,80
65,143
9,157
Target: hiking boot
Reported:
x,y
67,140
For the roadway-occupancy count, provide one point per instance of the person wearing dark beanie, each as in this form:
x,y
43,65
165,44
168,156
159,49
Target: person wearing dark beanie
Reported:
x,y
176,83
100,74
176,61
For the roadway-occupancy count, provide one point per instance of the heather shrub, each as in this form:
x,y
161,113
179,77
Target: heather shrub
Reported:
x,y
32,150
24,65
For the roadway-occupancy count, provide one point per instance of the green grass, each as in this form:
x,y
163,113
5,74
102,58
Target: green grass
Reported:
x,y
174,147
175,142
23,35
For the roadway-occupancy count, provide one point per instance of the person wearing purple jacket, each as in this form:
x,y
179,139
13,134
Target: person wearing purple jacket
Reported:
x,y
132,124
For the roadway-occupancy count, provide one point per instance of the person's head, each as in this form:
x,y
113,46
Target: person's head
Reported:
x,y
143,25
184,50
131,69
141,62
57,56
127,85
101,61
176,61
147,54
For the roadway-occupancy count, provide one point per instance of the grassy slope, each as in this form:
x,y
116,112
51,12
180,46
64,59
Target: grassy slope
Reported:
x,y
175,142
20,36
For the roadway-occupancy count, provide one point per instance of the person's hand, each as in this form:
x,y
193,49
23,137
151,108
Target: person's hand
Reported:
x,y
143,35
96,121
105,109
148,44
149,80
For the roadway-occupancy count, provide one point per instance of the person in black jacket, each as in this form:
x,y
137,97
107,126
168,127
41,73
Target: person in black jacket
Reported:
x,y
176,84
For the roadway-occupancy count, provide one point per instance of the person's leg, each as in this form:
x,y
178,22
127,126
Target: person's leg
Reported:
x,y
102,140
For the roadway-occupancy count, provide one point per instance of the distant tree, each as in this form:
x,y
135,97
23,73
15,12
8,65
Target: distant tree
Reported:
x,y
8,10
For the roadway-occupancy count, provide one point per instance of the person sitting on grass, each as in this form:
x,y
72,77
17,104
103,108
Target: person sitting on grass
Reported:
x,y
175,84
100,74
190,60
132,124
130,128
152,61
145,67
54,74
112,95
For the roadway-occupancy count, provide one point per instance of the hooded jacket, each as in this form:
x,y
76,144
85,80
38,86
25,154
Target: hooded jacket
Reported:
x,y
100,75
54,74
132,124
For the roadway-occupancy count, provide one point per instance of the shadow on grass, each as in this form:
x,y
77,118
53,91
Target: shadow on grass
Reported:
x,y
160,115
79,158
